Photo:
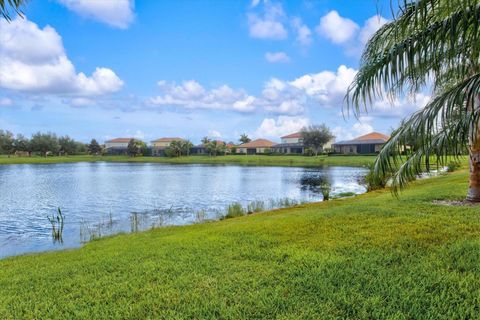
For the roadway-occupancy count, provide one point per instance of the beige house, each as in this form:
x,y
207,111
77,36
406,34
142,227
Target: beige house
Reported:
x,y
159,145
292,143
367,144
256,146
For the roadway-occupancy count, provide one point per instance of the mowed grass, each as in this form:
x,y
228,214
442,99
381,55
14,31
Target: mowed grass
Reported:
x,y
257,160
368,257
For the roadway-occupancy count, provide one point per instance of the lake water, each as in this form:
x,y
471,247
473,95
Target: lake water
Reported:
x,y
103,198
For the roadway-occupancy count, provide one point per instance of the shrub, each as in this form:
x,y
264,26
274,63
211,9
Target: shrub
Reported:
x,y
453,166
375,182
325,189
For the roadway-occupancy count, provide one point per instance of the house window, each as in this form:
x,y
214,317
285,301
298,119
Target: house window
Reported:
x,y
351,149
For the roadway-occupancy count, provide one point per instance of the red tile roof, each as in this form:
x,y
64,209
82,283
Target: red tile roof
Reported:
x,y
293,135
373,136
259,143
119,140
167,139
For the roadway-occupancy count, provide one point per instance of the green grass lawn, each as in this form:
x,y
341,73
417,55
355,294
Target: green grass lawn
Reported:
x,y
231,159
368,257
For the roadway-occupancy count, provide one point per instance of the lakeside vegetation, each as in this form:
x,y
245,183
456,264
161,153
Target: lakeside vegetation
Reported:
x,y
336,259
265,160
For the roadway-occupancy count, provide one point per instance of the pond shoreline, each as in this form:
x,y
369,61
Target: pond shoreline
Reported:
x,y
103,198
260,261
247,160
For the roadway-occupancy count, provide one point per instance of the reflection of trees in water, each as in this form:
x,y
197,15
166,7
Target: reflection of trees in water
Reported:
x,y
314,181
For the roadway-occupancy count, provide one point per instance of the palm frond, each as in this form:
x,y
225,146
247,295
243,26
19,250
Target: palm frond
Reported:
x,y
441,129
408,52
7,7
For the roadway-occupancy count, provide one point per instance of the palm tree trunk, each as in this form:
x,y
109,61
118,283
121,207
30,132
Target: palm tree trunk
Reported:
x,y
474,184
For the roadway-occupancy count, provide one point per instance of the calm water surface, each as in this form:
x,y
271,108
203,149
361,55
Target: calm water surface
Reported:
x,y
103,198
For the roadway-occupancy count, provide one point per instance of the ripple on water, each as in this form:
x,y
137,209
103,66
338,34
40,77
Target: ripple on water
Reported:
x,y
94,194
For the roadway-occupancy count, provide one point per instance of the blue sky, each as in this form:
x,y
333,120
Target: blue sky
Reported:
x,y
121,68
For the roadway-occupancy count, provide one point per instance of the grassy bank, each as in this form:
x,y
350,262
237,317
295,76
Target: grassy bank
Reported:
x,y
372,256
232,159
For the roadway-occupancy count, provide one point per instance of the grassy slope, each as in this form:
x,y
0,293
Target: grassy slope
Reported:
x,y
373,257
234,159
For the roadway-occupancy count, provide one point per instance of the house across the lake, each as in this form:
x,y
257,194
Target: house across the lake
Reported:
x,y
202,149
367,144
117,146
258,146
292,143
159,145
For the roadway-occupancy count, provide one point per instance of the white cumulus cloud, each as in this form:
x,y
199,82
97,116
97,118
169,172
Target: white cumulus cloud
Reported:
x,y
336,28
370,27
359,128
304,34
24,67
214,134
116,13
269,25
282,125
347,33
281,97
191,94
277,57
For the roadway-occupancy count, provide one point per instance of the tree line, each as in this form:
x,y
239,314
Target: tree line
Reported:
x,y
314,137
45,144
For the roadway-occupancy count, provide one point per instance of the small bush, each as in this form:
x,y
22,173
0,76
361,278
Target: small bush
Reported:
x,y
235,210
375,182
453,166
325,189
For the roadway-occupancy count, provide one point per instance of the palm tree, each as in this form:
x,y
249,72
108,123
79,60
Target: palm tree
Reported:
x,y
9,6
244,138
429,45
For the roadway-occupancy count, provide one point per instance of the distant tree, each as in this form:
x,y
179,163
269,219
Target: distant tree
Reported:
x,y
212,147
206,144
217,147
186,145
205,141
94,148
6,142
173,150
221,148
67,145
21,143
135,147
244,138
178,148
315,137
80,148
45,143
